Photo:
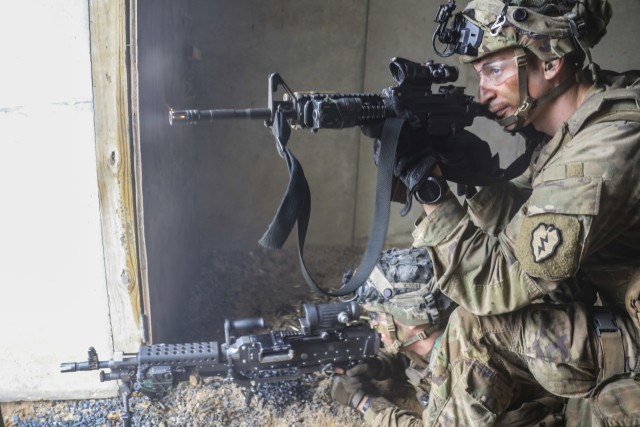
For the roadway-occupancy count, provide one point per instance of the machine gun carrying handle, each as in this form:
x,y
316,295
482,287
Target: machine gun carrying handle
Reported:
x,y
246,324
241,325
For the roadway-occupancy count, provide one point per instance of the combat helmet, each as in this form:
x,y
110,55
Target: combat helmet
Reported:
x,y
402,286
549,29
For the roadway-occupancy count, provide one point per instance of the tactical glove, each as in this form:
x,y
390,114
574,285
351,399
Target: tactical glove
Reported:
x,y
463,158
414,161
465,155
346,391
350,388
377,368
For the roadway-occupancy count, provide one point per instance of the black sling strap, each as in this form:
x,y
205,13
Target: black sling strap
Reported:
x,y
295,206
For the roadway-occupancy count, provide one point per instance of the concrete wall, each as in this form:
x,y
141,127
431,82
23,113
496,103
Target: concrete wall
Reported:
x,y
168,163
314,46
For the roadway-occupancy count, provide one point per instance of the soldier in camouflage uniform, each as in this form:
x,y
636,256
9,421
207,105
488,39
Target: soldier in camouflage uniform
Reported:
x,y
572,218
410,316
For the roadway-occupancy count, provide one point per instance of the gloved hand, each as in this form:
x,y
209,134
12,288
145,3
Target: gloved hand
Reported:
x,y
346,391
370,369
350,388
414,161
463,156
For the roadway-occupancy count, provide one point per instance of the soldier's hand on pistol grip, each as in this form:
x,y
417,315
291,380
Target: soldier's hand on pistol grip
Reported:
x,y
351,387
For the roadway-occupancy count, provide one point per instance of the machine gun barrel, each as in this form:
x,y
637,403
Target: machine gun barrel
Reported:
x,y
193,116
82,366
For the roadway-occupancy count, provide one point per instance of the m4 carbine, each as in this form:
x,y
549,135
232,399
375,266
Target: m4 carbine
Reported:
x,y
331,335
442,113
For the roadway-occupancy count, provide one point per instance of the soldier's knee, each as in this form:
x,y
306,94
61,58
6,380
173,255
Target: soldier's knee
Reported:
x,y
615,402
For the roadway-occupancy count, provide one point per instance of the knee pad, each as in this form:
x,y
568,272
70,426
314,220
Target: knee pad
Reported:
x,y
616,402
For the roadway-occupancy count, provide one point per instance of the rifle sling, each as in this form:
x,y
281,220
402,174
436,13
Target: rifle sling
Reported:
x,y
296,205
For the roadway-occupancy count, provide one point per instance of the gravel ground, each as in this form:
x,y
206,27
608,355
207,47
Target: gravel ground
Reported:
x,y
233,285
212,402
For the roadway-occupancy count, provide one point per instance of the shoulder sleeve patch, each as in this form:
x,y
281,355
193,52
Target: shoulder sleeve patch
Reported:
x,y
548,245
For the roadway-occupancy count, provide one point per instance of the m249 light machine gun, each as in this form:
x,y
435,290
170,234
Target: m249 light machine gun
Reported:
x,y
331,335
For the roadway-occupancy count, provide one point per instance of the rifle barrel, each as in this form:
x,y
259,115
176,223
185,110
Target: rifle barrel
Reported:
x,y
194,116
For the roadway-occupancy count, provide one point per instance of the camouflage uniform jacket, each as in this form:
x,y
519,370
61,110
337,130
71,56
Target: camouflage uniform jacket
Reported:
x,y
577,208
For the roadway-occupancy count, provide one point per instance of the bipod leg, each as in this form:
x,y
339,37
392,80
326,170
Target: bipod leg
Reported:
x,y
248,395
125,392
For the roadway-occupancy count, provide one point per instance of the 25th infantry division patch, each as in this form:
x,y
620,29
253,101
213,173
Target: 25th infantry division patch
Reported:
x,y
548,245
545,239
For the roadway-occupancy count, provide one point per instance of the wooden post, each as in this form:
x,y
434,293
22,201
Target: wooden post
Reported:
x,y
109,42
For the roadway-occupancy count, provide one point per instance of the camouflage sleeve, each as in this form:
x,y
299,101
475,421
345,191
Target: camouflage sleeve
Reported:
x,y
383,413
474,268
584,196
492,207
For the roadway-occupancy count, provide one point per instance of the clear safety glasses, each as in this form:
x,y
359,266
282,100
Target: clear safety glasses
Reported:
x,y
497,72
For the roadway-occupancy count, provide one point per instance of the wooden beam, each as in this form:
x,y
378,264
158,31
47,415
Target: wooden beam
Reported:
x,y
108,28
137,167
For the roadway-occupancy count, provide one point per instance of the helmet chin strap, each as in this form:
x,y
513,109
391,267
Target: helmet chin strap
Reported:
x,y
527,103
399,344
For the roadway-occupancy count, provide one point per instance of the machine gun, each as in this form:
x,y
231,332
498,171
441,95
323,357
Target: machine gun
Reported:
x,y
332,335
435,115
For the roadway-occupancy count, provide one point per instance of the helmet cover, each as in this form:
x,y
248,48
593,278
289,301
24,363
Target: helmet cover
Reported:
x,y
544,27
402,285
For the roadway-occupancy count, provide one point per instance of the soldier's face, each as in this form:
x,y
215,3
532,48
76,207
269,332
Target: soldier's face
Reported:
x,y
498,82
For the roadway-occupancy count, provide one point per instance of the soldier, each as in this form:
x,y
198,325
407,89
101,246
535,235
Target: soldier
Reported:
x,y
572,218
410,319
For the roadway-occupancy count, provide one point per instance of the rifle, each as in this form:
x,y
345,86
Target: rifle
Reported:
x,y
331,335
437,115
442,113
